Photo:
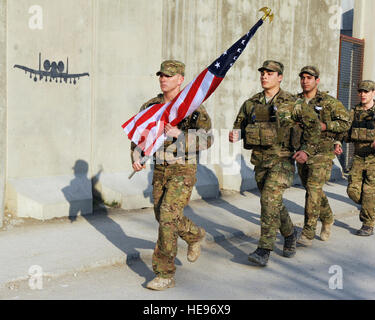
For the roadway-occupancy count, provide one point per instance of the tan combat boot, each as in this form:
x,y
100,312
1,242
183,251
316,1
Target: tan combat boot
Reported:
x,y
365,231
160,284
194,250
326,231
304,241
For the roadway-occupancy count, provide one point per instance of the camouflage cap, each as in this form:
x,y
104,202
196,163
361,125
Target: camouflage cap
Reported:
x,y
171,68
311,70
366,85
271,65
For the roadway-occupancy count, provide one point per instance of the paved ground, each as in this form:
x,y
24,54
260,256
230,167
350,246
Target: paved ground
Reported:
x,y
108,255
341,268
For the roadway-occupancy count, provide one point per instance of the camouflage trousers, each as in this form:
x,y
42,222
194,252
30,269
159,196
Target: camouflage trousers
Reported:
x,y
361,187
313,177
172,187
272,182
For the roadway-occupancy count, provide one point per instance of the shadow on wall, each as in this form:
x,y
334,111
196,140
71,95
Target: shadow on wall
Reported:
x,y
225,205
104,224
147,193
238,166
244,172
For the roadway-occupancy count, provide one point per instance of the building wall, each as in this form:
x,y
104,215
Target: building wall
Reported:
x,y
121,43
127,53
48,123
363,26
3,102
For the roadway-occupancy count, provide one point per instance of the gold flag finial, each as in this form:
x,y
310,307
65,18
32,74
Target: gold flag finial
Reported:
x,y
267,13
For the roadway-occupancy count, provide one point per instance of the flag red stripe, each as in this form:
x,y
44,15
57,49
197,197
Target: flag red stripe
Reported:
x,y
214,84
149,150
184,107
175,104
149,114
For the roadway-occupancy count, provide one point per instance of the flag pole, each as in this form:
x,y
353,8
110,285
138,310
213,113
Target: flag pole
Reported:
x,y
142,161
133,173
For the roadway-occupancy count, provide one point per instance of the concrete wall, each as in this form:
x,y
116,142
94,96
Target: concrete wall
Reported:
x,y
49,123
363,26
3,100
62,135
127,52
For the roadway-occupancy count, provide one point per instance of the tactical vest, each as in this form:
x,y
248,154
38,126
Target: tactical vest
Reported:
x,y
363,130
324,116
263,128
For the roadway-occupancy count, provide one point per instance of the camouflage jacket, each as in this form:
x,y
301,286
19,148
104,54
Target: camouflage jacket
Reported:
x,y
196,136
333,113
289,113
362,146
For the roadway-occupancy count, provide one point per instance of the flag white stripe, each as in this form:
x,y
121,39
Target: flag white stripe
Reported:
x,y
140,128
152,135
181,98
158,143
144,124
201,94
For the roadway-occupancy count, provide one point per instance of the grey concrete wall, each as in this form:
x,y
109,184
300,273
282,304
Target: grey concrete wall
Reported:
x,y
49,123
3,106
363,26
127,53
53,128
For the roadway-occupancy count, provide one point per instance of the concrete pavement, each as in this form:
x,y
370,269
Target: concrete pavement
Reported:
x,y
115,236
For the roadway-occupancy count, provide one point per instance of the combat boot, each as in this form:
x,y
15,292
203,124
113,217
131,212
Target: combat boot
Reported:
x,y
260,256
304,241
365,231
290,244
194,249
326,231
160,284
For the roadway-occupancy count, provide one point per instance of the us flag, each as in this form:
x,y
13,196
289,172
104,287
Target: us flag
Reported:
x,y
146,129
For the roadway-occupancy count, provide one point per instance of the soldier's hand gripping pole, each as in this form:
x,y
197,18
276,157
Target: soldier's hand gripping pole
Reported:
x,y
142,162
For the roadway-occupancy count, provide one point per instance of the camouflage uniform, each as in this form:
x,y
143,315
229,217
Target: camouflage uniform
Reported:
x,y
173,181
361,186
272,153
317,170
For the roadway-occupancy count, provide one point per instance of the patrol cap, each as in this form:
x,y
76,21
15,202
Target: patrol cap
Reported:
x,y
366,85
272,65
171,68
311,70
